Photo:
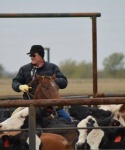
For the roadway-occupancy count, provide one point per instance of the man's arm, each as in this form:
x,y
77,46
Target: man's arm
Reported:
x,y
61,80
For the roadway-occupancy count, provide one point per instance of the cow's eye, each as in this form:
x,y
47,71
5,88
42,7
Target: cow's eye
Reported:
x,y
23,116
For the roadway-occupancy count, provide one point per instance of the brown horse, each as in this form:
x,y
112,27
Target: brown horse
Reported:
x,y
44,87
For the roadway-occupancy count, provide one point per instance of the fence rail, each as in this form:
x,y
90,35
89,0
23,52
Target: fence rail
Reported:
x,y
62,102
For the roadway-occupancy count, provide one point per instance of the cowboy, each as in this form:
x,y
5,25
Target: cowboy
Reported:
x,y
41,67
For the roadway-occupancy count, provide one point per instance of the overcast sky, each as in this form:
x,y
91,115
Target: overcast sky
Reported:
x,y
67,38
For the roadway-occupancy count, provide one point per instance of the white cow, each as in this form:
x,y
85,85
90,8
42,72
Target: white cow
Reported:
x,y
15,121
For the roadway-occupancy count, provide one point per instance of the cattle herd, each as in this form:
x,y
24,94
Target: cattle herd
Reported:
x,y
97,129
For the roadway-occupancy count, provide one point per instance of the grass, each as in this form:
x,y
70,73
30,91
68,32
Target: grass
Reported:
x,y
75,86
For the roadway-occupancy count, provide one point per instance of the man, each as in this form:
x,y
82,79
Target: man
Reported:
x,y
38,66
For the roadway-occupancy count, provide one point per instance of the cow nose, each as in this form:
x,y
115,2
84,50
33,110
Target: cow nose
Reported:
x,y
0,125
78,145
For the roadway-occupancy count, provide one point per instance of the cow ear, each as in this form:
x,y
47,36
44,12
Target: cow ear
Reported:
x,y
122,108
54,76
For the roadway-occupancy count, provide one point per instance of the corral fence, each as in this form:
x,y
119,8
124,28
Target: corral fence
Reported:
x,y
94,100
53,102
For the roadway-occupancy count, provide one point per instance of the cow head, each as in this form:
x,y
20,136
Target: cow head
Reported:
x,y
17,141
15,121
89,121
118,111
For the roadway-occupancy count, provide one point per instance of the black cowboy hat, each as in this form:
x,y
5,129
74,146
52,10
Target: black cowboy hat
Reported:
x,y
37,49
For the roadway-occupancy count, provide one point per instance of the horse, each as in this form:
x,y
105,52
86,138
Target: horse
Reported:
x,y
44,87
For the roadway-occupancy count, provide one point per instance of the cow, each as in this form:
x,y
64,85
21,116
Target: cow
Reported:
x,y
101,138
80,112
117,110
104,111
18,141
46,141
83,133
20,121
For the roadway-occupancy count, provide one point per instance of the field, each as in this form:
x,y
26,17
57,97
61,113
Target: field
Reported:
x,y
75,86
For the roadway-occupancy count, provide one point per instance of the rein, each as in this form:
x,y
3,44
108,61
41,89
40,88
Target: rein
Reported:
x,y
29,94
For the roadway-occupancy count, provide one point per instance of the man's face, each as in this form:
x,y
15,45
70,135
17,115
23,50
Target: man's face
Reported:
x,y
36,59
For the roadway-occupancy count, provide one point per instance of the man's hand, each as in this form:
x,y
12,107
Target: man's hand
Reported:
x,y
24,88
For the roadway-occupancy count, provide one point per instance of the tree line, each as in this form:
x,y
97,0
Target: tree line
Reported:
x,y
114,67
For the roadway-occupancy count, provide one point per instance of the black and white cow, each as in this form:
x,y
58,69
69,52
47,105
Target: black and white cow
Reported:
x,y
81,112
18,141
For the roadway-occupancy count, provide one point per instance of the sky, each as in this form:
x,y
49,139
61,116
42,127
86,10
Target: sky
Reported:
x,y
67,38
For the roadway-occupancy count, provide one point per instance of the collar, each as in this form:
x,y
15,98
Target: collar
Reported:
x,y
40,65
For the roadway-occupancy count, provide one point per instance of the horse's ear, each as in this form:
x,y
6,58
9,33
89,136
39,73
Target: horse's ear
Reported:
x,y
54,76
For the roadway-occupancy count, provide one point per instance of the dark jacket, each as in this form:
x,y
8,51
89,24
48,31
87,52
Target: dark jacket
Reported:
x,y
24,75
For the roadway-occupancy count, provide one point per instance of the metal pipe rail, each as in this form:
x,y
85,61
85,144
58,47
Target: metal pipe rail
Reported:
x,y
93,16
53,102
61,102
69,96
45,15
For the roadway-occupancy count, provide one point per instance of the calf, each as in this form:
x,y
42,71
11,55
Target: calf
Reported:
x,y
17,141
81,112
46,141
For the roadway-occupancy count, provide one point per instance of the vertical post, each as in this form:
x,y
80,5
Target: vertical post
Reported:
x,y
94,42
48,55
32,127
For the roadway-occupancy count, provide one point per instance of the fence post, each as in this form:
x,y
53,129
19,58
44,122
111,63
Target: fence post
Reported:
x,y
32,127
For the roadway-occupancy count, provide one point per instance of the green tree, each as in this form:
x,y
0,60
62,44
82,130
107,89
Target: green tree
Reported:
x,y
84,70
72,69
1,70
113,64
68,67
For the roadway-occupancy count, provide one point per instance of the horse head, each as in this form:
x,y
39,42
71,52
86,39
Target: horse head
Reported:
x,y
44,87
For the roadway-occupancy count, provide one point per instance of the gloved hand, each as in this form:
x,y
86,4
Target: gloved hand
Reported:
x,y
24,88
